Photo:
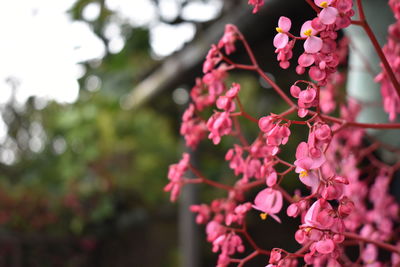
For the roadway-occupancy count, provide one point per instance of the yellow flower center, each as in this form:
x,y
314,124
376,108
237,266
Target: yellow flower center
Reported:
x,y
263,216
308,32
279,30
324,4
303,174
308,229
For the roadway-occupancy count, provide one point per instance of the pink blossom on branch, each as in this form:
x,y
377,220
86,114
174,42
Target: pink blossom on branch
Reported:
x,y
270,202
282,39
257,4
344,193
328,13
175,175
313,44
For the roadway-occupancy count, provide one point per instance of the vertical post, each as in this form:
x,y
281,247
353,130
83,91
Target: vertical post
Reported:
x,y
188,230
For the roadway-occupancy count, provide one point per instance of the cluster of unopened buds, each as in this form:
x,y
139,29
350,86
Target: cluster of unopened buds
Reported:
x,y
344,199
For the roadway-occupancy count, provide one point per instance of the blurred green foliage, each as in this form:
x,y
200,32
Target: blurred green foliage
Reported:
x,y
84,171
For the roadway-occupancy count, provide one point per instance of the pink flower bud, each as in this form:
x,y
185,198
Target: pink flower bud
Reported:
x,y
323,133
325,246
293,210
295,91
265,124
308,95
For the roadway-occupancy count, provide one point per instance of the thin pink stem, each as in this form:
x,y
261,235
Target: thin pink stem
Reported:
x,y
244,113
313,5
383,245
203,179
249,257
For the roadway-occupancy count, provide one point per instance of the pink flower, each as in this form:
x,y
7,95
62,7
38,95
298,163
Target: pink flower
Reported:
x,y
213,230
319,215
307,99
175,175
228,40
282,39
279,135
312,44
306,60
219,124
325,246
328,14
304,163
269,201
275,256
213,58
226,102
369,254
266,123
236,162
193,128
293,210
257,4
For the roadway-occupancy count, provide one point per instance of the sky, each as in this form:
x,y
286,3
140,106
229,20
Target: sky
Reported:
x,y
41,49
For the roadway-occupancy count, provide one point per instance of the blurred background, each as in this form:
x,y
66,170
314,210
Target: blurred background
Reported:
x,y
91,97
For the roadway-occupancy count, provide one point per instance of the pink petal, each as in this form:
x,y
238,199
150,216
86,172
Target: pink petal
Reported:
x,y
313,44
317,24
276,218
310,180
304,163
317,162
306,60
312,213
308,95
295,91
281,40
317,74
307,26
302,150
325,246
272,179
265,124
302,112
344,6
284,64
328,15
284,23
319,2
269,201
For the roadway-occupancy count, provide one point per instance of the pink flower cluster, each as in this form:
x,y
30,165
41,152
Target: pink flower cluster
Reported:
x,y
220,123
175,176
391,102
343,197
319,35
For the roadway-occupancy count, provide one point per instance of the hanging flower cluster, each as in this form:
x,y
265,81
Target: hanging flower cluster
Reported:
x,y
347,201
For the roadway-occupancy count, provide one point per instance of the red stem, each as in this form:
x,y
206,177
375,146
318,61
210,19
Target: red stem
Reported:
x,y
313,5
249,257
248,49
261,72
251,185
383,245
203,179
252,243
239,133
285,194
